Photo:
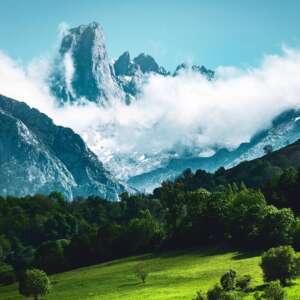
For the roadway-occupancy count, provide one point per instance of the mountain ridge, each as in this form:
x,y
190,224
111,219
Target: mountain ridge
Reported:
x,y
43,157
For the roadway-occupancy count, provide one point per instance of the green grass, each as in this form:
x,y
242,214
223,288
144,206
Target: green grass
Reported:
x,y
173,275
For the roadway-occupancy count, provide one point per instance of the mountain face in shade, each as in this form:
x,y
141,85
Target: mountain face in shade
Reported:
x,y
36,156
83,69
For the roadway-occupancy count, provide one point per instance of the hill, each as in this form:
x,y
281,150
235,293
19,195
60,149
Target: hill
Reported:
x,y
255,173
173,275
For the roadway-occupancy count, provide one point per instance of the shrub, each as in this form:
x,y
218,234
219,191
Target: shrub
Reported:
x,y
244,282
279,263
34,283
274,291
199,296
215,293
228,280
141,273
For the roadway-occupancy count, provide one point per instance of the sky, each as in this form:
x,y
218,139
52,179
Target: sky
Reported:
x,y
209,32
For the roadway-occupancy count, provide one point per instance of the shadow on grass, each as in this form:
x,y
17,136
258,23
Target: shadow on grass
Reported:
x,y
258,288
245,255
199,251
130,284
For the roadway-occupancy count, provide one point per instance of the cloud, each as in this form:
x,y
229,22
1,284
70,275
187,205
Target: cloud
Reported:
x,y
173,115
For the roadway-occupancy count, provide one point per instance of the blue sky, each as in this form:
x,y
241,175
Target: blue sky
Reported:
x,y
208,32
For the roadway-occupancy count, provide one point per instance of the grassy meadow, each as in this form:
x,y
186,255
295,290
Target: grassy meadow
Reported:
x,y
173,275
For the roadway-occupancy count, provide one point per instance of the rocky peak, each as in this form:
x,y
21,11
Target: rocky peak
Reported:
x,y
124,66
194,68
148,64
83,68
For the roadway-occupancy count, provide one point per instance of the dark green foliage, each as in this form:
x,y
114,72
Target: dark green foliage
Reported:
x,y
199,296
35,283
274,291
7,274
244,282
228,280
280,263
215,293
50,256
5,247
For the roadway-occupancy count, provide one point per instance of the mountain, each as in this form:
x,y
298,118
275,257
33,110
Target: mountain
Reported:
x,y
132,74
285,130
209,74
36,156
84,72
83,69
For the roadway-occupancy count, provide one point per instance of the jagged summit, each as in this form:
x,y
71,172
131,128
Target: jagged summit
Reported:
x,y
124,66
148,64
194,68
84,72
83,69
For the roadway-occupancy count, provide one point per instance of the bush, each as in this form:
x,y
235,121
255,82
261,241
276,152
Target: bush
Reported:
x,y
274,291
228,280
34,283
215,293
7,274
244,282
199,296
280,263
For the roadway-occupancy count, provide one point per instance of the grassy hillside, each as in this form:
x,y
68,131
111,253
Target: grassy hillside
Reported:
x,y
175,275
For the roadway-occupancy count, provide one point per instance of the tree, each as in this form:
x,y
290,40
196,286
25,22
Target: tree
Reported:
x,y
7,274
228,280
280,263
35,283
141,273
278,226
173,201
141,232
50,256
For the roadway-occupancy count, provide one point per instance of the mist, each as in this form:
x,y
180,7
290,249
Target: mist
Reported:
x,y
182,114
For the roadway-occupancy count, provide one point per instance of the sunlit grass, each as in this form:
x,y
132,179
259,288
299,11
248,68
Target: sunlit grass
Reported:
x,y
173,275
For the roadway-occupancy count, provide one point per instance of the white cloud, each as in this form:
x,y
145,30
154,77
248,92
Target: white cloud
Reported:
x,y
183,112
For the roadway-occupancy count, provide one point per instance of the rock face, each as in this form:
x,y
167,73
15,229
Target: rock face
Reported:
x,y
36,156
83,69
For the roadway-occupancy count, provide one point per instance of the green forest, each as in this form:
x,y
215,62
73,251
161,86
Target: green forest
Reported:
x,y
200,209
